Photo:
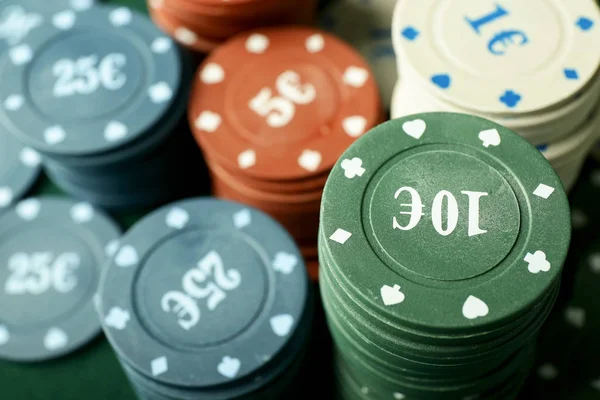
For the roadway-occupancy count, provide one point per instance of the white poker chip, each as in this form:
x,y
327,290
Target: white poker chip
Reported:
x,y
509,57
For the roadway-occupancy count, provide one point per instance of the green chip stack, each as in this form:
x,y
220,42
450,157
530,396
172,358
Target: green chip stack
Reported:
x,y
441,246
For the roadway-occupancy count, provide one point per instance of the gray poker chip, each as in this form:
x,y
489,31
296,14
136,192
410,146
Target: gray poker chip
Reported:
x,y
89,82
51,252
204,279
19,169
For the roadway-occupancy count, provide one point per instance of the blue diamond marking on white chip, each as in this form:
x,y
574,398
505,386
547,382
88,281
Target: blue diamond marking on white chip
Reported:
x,y
410,33
585,23
510,98
571,74
442,80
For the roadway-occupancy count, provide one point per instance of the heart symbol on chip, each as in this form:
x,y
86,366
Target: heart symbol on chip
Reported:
x,y
54,135
310,160
442,80
229,367
490,137
29,209
415,128
4,335
115,131
64,20
55,339
127,257
354,126
282,324
177,218
474,308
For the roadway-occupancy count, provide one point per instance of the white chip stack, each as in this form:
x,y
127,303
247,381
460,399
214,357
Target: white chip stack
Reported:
x,y
531,66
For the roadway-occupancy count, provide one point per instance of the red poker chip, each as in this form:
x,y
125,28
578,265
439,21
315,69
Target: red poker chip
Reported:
x,y
282,103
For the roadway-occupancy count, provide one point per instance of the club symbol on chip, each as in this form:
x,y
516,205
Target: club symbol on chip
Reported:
x,y
55,339
490,137
117,318
352,168
391,295
285,262
537,262
415,128
474,308
229,367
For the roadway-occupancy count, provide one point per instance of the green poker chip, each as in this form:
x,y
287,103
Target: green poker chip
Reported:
x,y
441,247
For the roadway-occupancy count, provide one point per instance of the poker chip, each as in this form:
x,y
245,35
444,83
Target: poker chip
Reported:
x,y
19,170
367,27
438,262
53,250
202,26
234,295
499,62
100,93
272,110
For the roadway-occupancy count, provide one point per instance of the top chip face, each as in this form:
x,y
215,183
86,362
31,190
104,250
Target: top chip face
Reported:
x,y
446,209
51,252
89,81
291,97
203,293
500,57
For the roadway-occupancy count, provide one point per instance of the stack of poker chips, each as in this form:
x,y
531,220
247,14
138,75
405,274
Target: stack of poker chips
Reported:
x,y
433,286
101,94
528,66
207,299
203,25
272,110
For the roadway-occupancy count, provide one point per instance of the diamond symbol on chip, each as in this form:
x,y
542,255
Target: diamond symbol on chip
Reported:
x,y
282,324
410,33
177,218
81,5
121,16
117,318
242,218
82,213
547,372
55,339
571,74
490,137
285,262
160,92
20,55
6,196
29,209
257,43
575,316
355,76
161,45
229,367
64,20
159,366
543,191
352,168
208,121
310,160
354,126
112,247
114,131
315,43
247,159
585,23
185,36
474,308
537,262
54,135
4,335
127,257
14,102
340,236
212,73
29,157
